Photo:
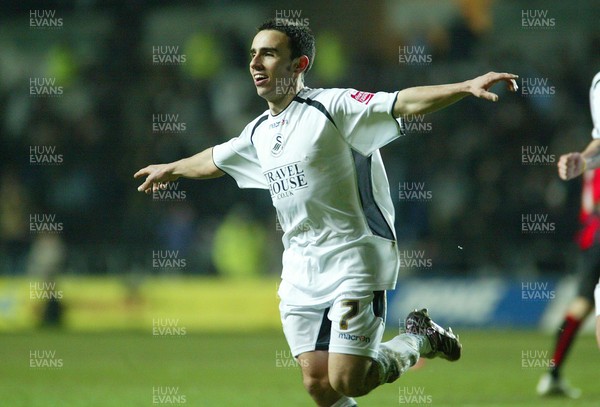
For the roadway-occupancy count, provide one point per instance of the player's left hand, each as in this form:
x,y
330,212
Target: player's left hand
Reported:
x,y
570,166
480,86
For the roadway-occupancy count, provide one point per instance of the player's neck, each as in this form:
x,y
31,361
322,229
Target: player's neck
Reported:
x,y
279,105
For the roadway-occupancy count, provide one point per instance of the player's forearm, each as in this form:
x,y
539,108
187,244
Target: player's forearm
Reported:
x,y
427,99
591,155
198,166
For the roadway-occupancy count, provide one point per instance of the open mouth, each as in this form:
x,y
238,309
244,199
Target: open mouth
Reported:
x,y
260,79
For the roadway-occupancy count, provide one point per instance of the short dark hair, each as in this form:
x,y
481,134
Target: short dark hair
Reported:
x,y
302,40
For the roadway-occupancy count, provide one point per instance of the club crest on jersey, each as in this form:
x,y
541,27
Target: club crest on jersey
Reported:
x,y
277,144
362,97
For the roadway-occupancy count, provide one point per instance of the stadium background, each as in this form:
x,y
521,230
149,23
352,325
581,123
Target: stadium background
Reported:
x,y
143,82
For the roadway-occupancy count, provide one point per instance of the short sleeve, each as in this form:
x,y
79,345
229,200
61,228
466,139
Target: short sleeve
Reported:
x,y
366,119
595,105
237,158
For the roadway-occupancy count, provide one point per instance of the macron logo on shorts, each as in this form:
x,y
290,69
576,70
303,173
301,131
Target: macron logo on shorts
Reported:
x,y
362,97
360,338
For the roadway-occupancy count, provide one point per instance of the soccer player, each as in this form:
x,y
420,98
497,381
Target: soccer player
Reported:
x,y
570,166
317,153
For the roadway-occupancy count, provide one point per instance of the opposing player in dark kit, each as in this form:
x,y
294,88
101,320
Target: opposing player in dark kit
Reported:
x,y
570,166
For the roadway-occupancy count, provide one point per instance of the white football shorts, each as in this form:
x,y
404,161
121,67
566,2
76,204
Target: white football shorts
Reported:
x,y
353,323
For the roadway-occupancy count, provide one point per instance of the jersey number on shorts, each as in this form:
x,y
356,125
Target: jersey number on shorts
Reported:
x,y
351,313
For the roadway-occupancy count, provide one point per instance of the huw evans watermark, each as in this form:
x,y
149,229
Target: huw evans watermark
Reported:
x,y
301,227
537,155
537,223
44,290
168,259
168,55
167,327
44,223
537,87
415,123
44,19
285,359
413,55
414,192
45,87
536,359
44,359
169,191
291,17
285,86
167,123
414,259
537,20
170,395
413,395
44,155
537,291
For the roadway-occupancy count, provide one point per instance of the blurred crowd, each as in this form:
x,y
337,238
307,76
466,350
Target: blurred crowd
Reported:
x,y
140,84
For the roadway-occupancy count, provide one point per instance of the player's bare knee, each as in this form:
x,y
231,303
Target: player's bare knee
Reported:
x,y
348,383
350,375
349,387
314,372
316,385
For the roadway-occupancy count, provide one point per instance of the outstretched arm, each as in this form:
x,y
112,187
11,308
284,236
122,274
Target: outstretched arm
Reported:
x,y
199,166
427,99
574,164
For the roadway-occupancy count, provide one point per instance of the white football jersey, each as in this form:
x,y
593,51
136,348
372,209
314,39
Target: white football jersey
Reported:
x,y
319,158
595,105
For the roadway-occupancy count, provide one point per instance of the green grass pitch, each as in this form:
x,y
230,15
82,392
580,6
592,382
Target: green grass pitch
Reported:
x,y
253,369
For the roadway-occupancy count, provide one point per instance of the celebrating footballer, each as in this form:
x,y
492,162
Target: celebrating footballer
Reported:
x,y
317,153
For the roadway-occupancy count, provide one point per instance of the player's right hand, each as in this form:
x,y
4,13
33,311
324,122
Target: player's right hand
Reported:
x,y
570,166
480,86
157,177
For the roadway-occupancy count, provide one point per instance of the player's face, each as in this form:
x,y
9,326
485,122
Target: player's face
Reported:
x,y
271,67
